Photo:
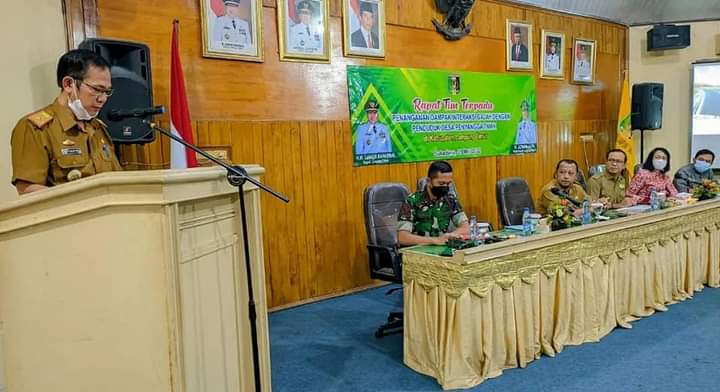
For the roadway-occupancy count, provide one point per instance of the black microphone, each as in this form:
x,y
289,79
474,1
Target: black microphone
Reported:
x,y
558,192
117,115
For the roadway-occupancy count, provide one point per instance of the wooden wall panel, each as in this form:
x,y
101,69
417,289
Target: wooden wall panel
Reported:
x,y
292,119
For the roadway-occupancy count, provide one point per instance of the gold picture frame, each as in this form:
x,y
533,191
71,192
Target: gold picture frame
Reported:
x,y
233,31
583,71
304,33
518,55
552,55
357,16
222,152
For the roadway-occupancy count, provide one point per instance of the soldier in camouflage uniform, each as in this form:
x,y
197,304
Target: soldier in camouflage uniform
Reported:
x,y
426,215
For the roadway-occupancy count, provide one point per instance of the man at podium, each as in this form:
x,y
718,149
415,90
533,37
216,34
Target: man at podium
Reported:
x,y
65,141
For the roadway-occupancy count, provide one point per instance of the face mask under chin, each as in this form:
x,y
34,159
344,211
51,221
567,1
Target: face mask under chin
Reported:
x,y
78,109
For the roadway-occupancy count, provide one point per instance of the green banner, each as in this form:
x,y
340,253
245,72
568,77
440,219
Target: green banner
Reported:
x,y
409,115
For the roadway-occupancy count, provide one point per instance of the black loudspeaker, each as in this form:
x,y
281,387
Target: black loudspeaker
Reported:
x,y
663,37
132,85
646,111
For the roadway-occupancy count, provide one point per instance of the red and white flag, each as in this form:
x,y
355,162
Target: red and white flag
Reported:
x,y
180,125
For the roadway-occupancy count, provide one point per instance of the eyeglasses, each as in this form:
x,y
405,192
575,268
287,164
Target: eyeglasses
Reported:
x,y
97,91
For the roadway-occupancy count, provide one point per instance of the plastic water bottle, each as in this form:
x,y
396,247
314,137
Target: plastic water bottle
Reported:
x,y
473,229
526,223
586,216
654,203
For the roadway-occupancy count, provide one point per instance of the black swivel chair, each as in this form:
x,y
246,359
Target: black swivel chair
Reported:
x,y
581,179
381,204
513,196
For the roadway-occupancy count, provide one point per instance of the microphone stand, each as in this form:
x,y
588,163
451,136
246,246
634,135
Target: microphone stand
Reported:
x,y
236,176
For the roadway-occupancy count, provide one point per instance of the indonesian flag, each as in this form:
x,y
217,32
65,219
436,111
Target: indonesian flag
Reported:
x,y
180,157
292,15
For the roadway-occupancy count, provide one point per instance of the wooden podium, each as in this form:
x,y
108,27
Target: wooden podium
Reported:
x,y
132,281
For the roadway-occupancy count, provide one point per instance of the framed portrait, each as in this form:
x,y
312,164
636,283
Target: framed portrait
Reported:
x,y
583,71
518,38
552,55
303,30
232,29
364,28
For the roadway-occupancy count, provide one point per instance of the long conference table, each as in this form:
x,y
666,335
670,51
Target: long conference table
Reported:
x,y
498,306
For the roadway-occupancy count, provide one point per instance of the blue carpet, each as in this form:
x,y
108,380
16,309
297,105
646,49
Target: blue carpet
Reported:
x,y
330,346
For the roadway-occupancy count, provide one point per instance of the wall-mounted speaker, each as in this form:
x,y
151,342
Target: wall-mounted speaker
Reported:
x,y
663,37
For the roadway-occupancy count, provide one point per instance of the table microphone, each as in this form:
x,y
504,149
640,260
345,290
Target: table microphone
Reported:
x,y
117,114
558,192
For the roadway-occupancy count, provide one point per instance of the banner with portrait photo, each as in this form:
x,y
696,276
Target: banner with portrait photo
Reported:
x,y
403,115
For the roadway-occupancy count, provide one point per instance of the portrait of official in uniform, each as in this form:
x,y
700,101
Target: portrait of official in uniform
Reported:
x,y
583,61
303,30
232,29
454,84
373,137
526,132
519,46
552,55
364,28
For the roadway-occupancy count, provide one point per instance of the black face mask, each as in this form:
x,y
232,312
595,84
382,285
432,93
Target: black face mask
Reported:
x,y
440,191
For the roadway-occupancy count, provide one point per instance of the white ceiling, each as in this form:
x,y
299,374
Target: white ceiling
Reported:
x,y
635,12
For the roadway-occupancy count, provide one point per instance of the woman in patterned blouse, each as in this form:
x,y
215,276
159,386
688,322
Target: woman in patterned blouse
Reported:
x,y
652,175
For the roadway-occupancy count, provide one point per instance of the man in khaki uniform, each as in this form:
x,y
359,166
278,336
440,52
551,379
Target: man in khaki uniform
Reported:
x,y
565,177
609,186
65,141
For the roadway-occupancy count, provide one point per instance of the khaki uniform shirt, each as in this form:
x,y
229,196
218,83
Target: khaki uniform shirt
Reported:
x,y
605,185
48,145
547,197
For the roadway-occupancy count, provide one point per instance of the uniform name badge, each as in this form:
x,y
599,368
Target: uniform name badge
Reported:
x,y
71,151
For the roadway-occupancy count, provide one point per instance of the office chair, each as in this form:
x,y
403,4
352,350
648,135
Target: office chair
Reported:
x,y
513,196
381,205
581,179
596,169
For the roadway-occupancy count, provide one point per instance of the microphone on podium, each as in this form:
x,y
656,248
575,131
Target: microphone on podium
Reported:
x,y
558,192
118,114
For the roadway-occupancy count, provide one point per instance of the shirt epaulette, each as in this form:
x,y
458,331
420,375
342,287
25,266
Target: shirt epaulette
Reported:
x,y
40,118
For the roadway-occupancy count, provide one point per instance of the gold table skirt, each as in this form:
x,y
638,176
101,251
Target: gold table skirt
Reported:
x,y
466,322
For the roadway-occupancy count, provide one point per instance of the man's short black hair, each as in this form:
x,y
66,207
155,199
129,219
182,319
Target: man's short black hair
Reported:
x,y
439,167
648,164
76,63
705,151
607,156
568,161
